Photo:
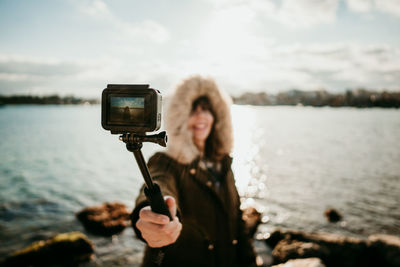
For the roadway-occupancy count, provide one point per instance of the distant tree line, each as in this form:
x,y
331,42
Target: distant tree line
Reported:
x,y
45,100
351,98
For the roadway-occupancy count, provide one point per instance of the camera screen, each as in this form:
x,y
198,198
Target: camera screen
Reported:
x,y
127,110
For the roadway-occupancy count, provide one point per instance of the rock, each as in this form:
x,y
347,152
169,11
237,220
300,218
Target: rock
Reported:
x,y
65,249
274,238
332,215
309,262
333,250
252,219
291,249
384,249
106,219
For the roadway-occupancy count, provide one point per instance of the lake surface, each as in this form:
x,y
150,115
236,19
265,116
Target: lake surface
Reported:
x,y
290,162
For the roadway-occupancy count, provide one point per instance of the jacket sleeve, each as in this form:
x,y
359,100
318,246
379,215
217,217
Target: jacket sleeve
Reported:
x,y
247,255
161,172
246,252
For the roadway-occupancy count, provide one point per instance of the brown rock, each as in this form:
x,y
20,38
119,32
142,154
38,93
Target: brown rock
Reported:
x,y
336,250
291,249
333,250
106,219
309,262
385,250
274,238
66,249
252,219
332,215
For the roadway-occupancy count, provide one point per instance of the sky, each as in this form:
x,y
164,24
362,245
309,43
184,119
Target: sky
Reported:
x,y
77,47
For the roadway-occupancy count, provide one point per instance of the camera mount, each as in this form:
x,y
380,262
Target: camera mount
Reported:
x,y
134,143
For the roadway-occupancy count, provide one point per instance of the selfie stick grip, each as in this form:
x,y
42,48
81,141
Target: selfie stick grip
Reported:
x,y
157,202
151,190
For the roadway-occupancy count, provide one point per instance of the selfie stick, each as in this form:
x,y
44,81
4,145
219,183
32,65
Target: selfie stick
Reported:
x,y
152,190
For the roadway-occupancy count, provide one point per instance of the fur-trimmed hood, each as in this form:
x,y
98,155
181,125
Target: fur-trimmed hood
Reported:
x,y
180,144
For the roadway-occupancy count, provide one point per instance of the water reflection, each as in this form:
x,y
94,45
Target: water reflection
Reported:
x,y
299,161
249,139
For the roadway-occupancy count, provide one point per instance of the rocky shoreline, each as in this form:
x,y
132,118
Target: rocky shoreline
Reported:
x,y
66,249
285,247
335,250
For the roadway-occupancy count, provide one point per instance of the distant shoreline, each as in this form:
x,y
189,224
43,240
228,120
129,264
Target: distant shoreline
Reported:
x,y
45,100
359,98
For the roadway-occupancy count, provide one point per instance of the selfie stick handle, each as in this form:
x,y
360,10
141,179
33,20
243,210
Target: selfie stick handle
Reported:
x,y
152,190
157,202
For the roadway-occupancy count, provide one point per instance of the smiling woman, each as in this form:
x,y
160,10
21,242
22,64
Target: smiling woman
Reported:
x,y
201,122
195,173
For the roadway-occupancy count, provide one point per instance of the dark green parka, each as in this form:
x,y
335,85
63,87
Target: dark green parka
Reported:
x,y
213,232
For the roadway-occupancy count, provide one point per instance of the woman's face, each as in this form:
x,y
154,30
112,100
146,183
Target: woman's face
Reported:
x,y
200,123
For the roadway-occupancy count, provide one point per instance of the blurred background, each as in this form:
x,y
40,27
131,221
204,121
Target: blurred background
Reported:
x,y
296,153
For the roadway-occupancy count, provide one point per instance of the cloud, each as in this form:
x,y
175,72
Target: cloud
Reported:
x,y
297,14
26,73
147,30
87,78
340,66
19,74
237,49
391,7
15,67
334,67
388,6
360,5
307,13
233,46
97,9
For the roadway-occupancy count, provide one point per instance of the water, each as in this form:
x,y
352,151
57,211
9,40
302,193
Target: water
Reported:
x,y
291,162
310,159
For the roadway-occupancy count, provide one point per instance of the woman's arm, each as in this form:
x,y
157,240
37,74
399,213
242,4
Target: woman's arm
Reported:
x,y
247,255
156,229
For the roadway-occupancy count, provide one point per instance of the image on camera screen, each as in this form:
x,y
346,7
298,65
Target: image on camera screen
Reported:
x,y
126,110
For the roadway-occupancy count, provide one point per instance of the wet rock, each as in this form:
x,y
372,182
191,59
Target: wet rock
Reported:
x,y
309,262
291,249
252,219
332,215
274,238
67,249
336,250
387,247
106,219
300,244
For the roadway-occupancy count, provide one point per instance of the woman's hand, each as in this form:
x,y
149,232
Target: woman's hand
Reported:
x,y
157,229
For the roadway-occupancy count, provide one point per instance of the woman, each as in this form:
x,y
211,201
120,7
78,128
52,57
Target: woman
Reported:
x,y
195,173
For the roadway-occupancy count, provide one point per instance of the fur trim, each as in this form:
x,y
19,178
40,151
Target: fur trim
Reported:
x,y
180,143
